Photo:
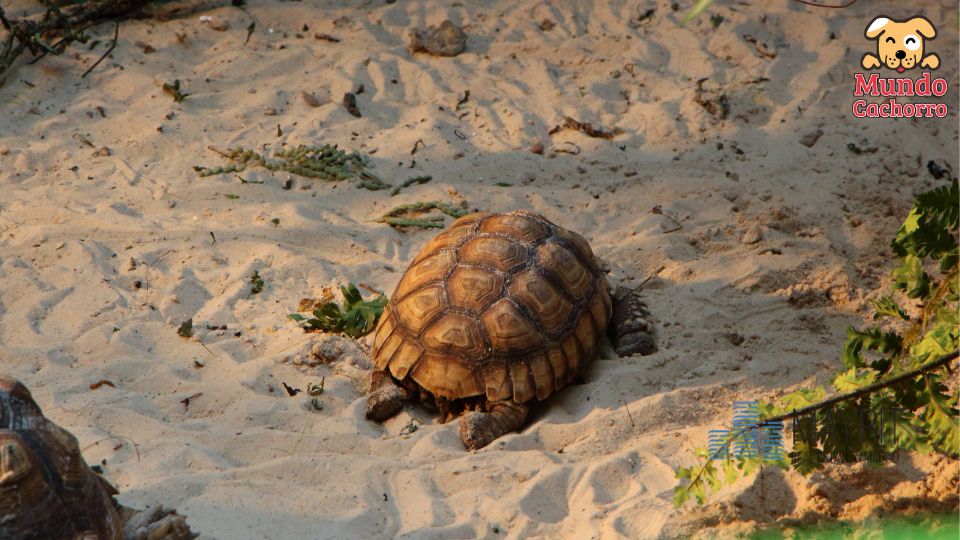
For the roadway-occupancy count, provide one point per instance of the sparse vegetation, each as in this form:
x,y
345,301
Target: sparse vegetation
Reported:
x,y
894,391
356,317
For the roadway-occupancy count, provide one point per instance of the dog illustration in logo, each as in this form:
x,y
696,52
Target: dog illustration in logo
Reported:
x,y
900,44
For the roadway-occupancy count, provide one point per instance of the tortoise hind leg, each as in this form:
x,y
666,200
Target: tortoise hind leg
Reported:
x,y
478,429
386,397
631,325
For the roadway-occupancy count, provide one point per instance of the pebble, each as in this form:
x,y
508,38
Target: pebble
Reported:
x,y
444,40
811,138
753,235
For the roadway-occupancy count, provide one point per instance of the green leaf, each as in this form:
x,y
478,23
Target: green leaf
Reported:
x,y
731,472
174,91
802,398
929,229
297,317
886,306
852,379
806,458
941,416
257,283
910,278
749,465
697,9
941,339
355,318
871,339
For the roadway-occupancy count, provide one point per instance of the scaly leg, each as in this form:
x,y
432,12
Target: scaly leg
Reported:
x,y
478,429
386,397
631,324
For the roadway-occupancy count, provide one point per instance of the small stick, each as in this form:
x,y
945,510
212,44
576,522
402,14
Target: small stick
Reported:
x,y
133,442
630,416
116,34
162,255
221,152
363,285
205,347
639,287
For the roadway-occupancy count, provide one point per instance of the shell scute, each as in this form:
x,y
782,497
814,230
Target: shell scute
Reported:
x,y
433,267
455,333
543,300
509,330
446,377
406,357
474,287
494,252
575,278
524,228
418,308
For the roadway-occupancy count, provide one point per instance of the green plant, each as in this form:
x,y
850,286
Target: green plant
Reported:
x,y
893,388
174,91
256,283
405,215
326,162
355,318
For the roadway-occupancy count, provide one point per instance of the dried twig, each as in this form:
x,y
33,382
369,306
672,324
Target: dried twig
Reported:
x,y
116,34
35,34
586,128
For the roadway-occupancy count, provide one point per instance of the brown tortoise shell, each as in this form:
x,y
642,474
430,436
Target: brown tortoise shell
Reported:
x,y
46,489
506,306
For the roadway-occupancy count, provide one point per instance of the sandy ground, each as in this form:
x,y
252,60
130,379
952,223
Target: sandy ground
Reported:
x,y
104,253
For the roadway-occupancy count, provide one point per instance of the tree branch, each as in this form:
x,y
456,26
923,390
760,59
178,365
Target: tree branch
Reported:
x,y
906,375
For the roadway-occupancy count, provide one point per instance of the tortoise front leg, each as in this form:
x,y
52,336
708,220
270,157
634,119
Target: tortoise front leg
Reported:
x,y
157,523
386,397
478,429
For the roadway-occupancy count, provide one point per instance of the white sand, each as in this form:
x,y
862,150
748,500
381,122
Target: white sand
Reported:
x,y
243,460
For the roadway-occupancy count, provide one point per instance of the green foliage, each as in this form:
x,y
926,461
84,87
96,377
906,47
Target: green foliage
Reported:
x,y
406,215
256,283
910,277
930,229
355,318
174,91
892,392
325,162
411,181
886,343
697,9
886,306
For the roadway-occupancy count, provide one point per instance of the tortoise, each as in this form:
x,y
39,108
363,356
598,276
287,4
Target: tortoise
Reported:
x,y
48,492
496,311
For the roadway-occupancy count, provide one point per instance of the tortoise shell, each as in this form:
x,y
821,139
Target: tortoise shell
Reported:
x,y
46,488
506,306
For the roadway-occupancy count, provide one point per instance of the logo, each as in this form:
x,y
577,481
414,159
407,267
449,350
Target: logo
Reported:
x,y
901,48
900,44
840,436
748,437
